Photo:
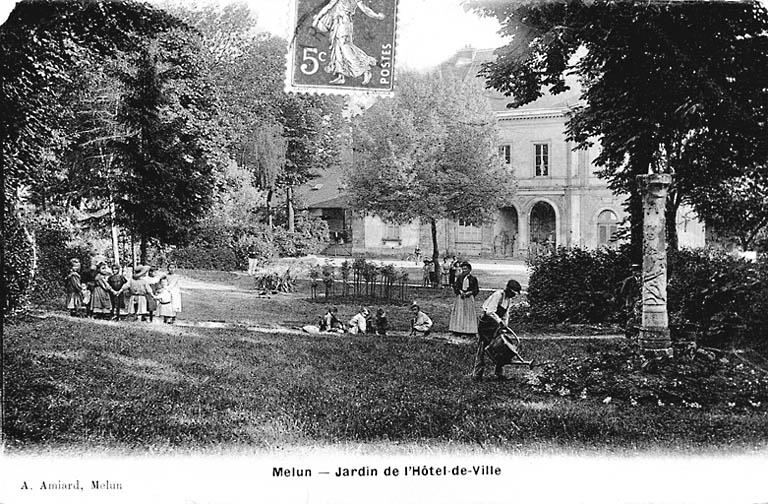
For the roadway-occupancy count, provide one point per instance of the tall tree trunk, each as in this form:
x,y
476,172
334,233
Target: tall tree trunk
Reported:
x,y
635,210
270,219
143,250
113,226
289,208
673,204
435,251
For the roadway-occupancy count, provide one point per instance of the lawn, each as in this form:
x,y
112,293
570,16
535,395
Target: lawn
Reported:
x,y
92,385
231,297
87,384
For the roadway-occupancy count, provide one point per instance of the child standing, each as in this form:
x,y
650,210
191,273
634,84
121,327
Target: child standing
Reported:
x,y
74,288
174,286
165,302
117,281
89,281
101,299
153,279
140,292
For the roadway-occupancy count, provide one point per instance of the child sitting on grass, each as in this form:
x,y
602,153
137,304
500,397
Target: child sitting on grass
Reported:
x,y
330,322
381,324
421,324
359,323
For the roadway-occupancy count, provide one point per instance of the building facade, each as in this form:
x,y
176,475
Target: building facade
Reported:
x,y
559,198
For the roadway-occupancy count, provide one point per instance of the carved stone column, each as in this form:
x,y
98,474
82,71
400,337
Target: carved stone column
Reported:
x,y
654,332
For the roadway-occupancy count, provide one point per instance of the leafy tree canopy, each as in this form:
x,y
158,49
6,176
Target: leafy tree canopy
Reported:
x,y
429,153
41,42
170,160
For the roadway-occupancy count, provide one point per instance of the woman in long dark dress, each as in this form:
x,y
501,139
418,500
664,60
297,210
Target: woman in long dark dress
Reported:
x,y
463,315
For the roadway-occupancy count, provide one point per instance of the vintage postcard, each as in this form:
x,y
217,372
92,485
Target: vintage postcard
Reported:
x,y
374,251
341,46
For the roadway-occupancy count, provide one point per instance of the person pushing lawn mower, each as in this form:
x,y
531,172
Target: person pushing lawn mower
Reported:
x,y
493,333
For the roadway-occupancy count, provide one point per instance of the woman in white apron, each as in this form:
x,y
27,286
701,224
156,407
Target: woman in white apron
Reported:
x,y
463,314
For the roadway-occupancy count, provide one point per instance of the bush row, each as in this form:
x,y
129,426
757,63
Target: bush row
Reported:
x,y
18,261
711,295
36,257
222,247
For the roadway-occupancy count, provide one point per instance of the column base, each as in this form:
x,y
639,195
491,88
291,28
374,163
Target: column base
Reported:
x,y
655,341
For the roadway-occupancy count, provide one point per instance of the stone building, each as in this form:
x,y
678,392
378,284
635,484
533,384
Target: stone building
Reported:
x,y
559,198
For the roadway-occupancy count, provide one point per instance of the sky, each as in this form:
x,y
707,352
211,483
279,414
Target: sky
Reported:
x,y
429,31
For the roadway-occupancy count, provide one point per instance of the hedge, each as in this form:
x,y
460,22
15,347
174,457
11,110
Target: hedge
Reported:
x,y
221,247
19,261
711,295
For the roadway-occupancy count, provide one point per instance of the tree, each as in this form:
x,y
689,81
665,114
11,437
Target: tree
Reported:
x,y
284,140
429,153
264,154
738,208
168,164
667,86
314,130
42,41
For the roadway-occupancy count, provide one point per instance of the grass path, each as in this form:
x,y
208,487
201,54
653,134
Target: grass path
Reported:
x,y
88,384
234,374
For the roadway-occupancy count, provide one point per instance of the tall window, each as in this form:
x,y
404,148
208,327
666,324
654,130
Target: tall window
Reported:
x,y
607,226
505,152
541,159
468,233
391,232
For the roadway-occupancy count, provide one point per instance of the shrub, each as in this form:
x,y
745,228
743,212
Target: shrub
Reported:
x,y
257,238
710,295
717,296
18,261
225,247
56,245
577,285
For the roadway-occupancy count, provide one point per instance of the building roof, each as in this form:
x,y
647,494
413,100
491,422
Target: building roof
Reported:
x,y
468,62
324,191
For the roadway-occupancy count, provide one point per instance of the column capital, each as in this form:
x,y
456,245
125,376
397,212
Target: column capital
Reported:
x,y
658,179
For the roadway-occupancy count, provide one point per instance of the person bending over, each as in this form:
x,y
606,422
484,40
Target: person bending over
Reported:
x,y
495,315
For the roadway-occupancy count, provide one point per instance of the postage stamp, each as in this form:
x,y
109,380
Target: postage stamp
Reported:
x,y
342,46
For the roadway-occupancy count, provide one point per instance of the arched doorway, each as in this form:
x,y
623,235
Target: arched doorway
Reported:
x,y
505,238
543,230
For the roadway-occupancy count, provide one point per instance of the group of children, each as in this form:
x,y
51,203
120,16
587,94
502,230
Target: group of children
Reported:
x,y
364,323
140,293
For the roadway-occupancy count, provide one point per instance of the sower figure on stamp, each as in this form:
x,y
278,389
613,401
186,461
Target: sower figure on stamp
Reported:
x,y
345,59
495,315
633,303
